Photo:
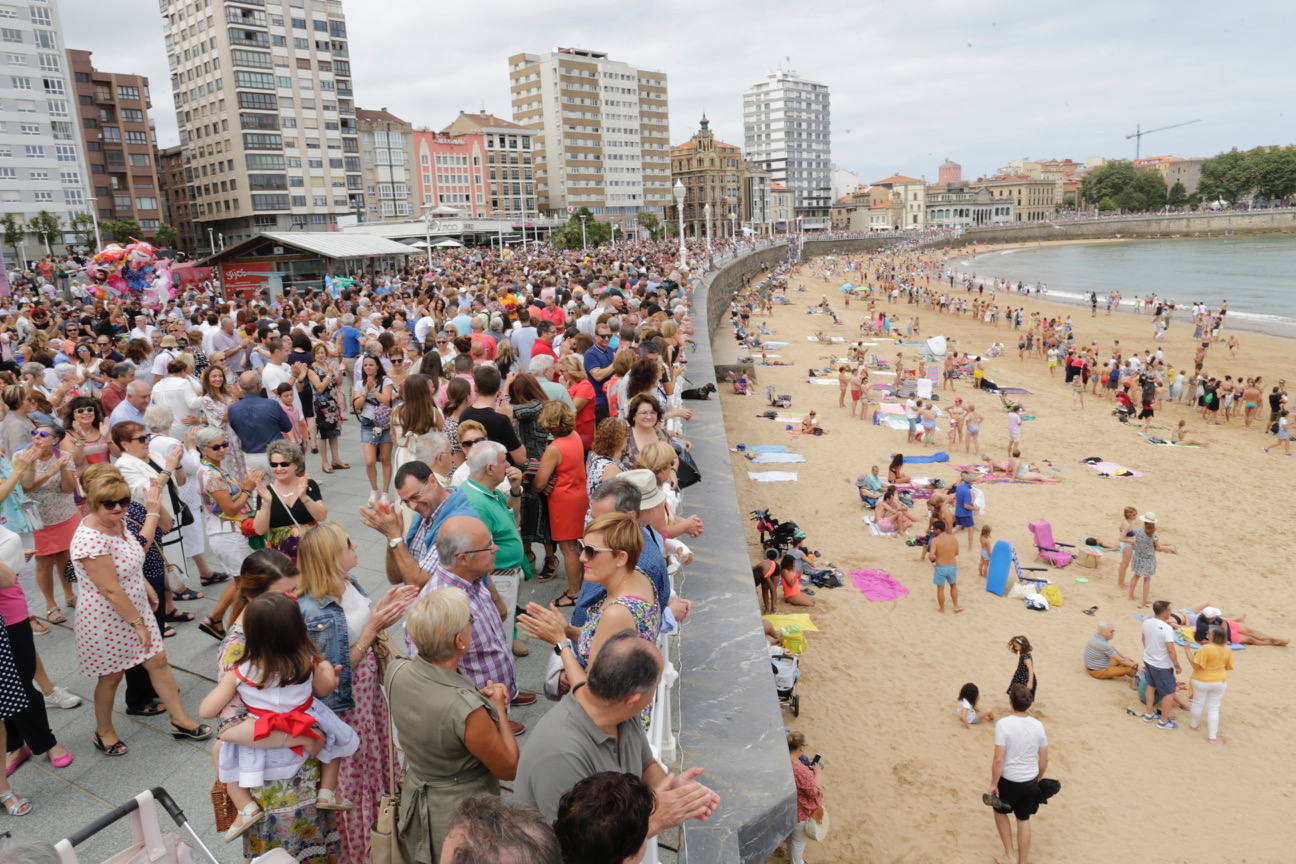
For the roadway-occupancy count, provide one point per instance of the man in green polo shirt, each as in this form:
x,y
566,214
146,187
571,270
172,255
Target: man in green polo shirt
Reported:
x,y
488,466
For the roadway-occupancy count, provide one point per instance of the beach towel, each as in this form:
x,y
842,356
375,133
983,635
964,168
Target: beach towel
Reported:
x,y
1111,469
772,476
893,408
830,339
777,344
926,457
772,458
899,423
822,382
792,431
1015,391
770,448
793,621
788,418
1161,442
1183,635
871,521
877,585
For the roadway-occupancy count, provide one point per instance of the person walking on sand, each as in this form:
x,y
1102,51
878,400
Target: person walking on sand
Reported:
x,y
944,548
1143,562
1014,427
1020,760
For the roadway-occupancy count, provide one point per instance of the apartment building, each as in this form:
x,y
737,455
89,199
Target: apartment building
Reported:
x,y
510,162
711,172
42,157
602,132
266,112
119,143
175,199
787,131
386,159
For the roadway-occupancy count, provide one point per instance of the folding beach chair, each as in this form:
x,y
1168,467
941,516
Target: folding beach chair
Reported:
x,y
1046,547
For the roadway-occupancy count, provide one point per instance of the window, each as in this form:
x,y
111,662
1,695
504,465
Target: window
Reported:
x,y
38,176
57,107
8,12
299,23
146,203
299,200
128,93
50,63
139,160
264,162
53,85
43,197
25,106
29,128
132,115
45,39
255,141
40,15
121,202
136,137
34,151
261,80
8,173
20,83
65,152
111,133
9,35
17,59
262,101
301,44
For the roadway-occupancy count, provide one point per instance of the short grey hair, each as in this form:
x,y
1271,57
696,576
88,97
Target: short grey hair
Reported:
x,y
451,544
287,449
540,365
1103,626
32,368
483,455
120,370
348,319
158,417
133,388
437,442
627,495
63,370
30,853
208,435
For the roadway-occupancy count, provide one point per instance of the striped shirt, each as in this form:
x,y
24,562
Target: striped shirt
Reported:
x,y
491,655
1098,652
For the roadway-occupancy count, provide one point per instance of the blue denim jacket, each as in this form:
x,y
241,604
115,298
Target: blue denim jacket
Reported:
x,y
326,626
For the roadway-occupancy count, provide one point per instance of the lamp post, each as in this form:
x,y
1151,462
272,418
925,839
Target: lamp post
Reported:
x,y
679,193
733,225
427,234
584,245
613,226
94,218
706,214
211,240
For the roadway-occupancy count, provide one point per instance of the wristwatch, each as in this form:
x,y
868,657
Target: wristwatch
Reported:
x,y
565,643
393,542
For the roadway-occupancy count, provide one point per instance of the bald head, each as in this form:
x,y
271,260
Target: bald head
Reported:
x,y
465,548
250,382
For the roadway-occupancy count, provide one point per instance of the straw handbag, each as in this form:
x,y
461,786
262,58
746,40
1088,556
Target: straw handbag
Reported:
x,y
384,846
222,807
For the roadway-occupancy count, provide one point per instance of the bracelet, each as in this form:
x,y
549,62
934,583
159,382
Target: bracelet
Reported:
x,y
137,622
152,513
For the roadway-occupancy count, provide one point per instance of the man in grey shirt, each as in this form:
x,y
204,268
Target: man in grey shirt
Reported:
x,y
230,345
1104,661
596,728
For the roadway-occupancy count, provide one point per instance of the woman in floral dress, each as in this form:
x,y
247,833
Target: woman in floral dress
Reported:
x,y
328,415
217,396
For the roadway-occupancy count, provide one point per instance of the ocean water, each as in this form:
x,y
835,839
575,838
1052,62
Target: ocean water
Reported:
x,y
1257,275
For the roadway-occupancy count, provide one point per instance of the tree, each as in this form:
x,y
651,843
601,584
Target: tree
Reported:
x,y
569,236
650,225
1129,188
166,236
1068,202
1227,175
82,226
120,230
1106,205
13,235
1178,195
46,226
1274,170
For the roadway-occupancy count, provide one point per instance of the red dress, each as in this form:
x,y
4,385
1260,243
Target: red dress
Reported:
x,y
585,416
568,501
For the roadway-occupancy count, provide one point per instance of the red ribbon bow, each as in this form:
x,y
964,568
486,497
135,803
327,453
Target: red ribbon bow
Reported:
x,y
296,723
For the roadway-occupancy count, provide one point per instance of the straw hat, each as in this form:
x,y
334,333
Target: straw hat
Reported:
x,y
1148,518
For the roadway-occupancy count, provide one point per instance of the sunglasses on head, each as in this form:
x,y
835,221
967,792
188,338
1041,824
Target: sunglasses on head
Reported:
x,y
281,464
116,503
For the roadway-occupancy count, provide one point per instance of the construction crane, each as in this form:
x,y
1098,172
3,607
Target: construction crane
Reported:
x,y
1139,132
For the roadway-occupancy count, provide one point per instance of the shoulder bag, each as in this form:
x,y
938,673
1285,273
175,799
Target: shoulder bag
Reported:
x,y
817,828
384,843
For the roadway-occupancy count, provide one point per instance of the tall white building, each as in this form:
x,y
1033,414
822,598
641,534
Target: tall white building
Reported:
x,y
267,118
42,163
603,137
787,131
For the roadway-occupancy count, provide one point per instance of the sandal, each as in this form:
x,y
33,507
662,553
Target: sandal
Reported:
x,y
201,732
327,799
549,571
54,616
117,748
571,601
175,616
214,579
39,627
995,802
155,708
246,818
15,804
187,594
212,629
341,465
168,632
327,469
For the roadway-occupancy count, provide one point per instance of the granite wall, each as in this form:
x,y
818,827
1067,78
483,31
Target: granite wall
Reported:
x,y
1173,225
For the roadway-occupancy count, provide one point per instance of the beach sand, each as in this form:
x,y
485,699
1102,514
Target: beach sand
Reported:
x,y
903,778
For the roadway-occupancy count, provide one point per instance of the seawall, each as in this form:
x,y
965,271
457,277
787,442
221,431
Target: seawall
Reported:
x,y
1152,226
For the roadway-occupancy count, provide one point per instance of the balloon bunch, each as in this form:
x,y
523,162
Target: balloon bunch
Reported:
x,y
117,270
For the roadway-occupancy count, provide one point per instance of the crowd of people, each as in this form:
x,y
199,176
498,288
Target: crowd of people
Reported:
x,y
518,419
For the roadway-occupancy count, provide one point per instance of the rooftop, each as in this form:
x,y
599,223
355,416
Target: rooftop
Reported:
x,y
382,114
894,179
326,244
483,120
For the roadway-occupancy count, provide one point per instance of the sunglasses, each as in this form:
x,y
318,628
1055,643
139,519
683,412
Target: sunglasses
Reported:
x,y
470,443
603,335
281,464
42,433
143,439
103,344
482,549
84,411
116,504
220,446
588,551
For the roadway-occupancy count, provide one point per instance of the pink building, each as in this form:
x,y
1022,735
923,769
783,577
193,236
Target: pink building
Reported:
x,y
449,172
949,172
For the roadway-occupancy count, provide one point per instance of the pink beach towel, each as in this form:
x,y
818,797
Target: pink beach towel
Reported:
x,y
877,585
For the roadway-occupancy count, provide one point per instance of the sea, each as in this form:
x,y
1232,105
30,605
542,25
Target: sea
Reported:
x,y
1256,275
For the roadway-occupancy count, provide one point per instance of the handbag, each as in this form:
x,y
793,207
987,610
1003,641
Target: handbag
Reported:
x,y
551,680
384,844
687,474
817,829
223,808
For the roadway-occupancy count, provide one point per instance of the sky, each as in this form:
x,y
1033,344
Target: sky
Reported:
x,y
912,83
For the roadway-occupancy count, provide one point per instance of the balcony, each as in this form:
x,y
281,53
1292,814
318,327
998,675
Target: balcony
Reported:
x,y
254,38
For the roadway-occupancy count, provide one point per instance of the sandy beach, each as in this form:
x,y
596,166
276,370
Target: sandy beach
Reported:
x,y
903,779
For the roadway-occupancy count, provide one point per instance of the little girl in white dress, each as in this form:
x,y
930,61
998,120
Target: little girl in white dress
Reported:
x,y
278,681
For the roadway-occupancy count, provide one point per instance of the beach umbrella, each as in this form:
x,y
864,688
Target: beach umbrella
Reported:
x,y
846,286
937,346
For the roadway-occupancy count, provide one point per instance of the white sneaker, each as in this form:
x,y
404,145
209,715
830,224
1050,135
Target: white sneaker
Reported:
x,y
61,698
374,497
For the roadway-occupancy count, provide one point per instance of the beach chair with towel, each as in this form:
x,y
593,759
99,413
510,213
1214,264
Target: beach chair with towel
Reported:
x,y
777,400
1046,547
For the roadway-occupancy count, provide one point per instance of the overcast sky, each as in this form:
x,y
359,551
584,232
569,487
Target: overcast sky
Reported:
x,y
912,82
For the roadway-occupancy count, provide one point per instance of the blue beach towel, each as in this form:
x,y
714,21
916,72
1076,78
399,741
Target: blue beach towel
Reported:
x,y
930,457
770,448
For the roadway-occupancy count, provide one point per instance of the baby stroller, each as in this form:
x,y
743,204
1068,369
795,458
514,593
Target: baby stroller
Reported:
x,y
776,535
787,669
148,841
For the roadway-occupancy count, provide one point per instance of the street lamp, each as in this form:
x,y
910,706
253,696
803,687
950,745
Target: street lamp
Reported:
x,y
427,234
706,214
733,224
679,193
582,218
94,217
614,227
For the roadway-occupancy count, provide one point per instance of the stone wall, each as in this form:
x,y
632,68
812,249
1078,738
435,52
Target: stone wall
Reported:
x,y
1177,225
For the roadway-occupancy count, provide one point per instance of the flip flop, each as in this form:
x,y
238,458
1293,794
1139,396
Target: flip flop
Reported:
x,y
326,469
1091,610
54,616
341,465
565,596
214,578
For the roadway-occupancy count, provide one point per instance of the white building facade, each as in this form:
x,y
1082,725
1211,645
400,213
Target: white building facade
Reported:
x,y
787,131
42,163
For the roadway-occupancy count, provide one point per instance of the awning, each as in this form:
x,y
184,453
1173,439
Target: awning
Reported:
x,y
334,244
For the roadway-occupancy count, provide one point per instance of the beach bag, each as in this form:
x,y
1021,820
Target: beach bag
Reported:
x,y
384,845
31,514
1053,594
817,829
223,808
1036,602
687,474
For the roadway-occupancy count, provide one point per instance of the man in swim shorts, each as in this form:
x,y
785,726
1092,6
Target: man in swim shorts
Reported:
x,y
964,507
944,551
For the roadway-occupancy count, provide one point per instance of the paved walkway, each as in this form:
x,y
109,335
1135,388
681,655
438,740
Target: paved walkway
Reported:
x,y
68,799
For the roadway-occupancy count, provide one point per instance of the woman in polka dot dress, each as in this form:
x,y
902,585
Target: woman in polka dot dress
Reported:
x,y
115,626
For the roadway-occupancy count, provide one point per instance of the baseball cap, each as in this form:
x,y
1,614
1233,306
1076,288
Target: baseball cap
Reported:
x,y
1211,612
